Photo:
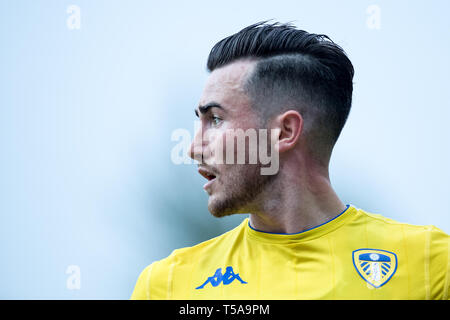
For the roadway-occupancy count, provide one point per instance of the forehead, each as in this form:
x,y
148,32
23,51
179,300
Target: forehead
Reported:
x,y
225,85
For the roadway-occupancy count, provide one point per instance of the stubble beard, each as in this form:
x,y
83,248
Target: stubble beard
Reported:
x,y
239,191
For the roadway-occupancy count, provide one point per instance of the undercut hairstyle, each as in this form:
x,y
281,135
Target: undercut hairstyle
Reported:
x,y
294,70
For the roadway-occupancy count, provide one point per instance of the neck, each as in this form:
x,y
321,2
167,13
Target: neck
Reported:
x,y
296,202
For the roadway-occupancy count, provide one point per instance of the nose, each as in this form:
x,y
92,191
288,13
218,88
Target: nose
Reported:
x,y
196,147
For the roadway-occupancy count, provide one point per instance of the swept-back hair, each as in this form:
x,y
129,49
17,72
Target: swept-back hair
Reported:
x,y
294,69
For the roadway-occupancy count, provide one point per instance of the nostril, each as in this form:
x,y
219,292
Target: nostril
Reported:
x,y
196,153
191,152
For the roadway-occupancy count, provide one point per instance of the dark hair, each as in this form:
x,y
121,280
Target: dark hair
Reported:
x,y
294,68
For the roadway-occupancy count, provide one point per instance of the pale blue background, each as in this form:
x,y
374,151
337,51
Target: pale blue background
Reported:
x,y
86,117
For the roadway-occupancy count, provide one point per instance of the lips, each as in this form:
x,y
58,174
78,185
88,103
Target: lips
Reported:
x,y
207,174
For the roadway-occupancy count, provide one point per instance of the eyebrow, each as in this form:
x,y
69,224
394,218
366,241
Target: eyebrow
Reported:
x,y
204,109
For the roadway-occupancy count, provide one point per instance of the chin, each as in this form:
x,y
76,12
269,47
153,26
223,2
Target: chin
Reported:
x,y
220,208
226,207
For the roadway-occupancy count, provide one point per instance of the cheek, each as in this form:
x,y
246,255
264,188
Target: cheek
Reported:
x,y
223,143
234,175
217,146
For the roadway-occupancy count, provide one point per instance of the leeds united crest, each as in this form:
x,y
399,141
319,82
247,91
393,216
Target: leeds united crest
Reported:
x,y
375,266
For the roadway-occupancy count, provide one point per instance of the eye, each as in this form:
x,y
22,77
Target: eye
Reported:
x,y
216,120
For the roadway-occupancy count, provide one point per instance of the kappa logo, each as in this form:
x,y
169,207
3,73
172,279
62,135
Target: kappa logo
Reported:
x,y
375,266
228,277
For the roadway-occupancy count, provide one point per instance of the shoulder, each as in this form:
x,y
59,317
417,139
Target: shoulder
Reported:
x,y
425,247
379,223
154,280
425,240
217,244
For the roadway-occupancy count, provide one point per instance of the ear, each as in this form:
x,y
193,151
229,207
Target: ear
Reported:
x,y
290,125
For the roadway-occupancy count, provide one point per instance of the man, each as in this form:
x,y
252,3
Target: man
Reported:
x,y
300,241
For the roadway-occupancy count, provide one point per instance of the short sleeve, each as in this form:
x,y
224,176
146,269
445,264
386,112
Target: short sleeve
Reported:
x,y
439,268
142,287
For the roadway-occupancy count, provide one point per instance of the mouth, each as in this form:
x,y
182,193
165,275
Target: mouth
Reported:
x,y
207,174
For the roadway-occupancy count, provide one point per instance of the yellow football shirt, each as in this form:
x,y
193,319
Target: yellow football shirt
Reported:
x,y
356,255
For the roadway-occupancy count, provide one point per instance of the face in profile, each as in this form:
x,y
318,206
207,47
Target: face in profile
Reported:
x,y
225,107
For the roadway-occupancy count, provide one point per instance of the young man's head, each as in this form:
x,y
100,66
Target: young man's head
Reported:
x,y
273,77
